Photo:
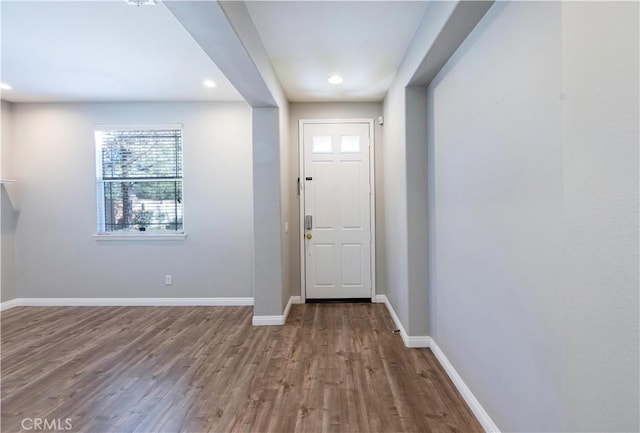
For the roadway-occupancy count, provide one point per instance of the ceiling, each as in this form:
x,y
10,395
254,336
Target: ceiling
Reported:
x,y
103,51
110,51
363,41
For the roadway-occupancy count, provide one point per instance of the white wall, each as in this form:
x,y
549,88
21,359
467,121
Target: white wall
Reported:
x,y
7,208
534,215
54,159
330,110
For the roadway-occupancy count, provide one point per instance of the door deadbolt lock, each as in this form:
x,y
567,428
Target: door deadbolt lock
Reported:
x,y
308,236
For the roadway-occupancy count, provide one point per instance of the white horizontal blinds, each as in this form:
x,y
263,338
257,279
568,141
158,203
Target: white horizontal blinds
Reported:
x,y
140,180
142,155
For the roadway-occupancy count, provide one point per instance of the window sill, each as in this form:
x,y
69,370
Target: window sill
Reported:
x,y
141,237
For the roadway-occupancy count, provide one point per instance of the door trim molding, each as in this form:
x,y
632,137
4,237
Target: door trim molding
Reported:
x,y
372,200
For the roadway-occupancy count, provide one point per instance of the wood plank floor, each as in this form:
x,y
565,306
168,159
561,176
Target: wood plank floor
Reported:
x,y
331,368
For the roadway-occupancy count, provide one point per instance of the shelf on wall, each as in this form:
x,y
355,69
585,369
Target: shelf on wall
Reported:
x,y
7,180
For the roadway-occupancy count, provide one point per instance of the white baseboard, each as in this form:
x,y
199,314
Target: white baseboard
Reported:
x,y
473,403
409,340
417,341
267,320
426,341
125,302
277,320
379,299
8,304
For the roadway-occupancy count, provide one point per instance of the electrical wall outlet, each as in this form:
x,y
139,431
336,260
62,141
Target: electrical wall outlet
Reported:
x,y
168,280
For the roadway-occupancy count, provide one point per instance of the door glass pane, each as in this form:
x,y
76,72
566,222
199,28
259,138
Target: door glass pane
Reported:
x,y
322,144
350,144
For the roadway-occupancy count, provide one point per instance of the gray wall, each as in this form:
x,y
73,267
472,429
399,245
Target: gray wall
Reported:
x,y
267,251
7,208
417,210
230,39
275,298
54,158
331,110
402,156
600,50
534,215
287,255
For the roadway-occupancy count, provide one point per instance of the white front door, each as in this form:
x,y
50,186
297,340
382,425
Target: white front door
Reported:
x,y
336,210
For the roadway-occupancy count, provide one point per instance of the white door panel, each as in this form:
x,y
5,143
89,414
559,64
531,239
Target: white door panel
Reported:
x,y
352,265
324,183
336,175
350,197
324,271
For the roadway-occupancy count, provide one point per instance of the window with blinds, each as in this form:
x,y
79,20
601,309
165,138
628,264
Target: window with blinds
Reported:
x,y
139,179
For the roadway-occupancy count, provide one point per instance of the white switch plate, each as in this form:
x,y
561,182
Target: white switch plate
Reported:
x,y
168,280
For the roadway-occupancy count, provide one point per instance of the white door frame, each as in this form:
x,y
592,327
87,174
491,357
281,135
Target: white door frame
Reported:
x,y
372,198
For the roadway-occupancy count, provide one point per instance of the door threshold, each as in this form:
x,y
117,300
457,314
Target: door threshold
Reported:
x,y
339,301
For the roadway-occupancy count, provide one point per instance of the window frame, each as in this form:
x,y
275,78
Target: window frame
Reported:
x,y
101,233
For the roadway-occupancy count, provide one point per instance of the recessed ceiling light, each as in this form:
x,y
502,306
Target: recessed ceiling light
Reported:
x,y
5,86
141,2
209,83
335,79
